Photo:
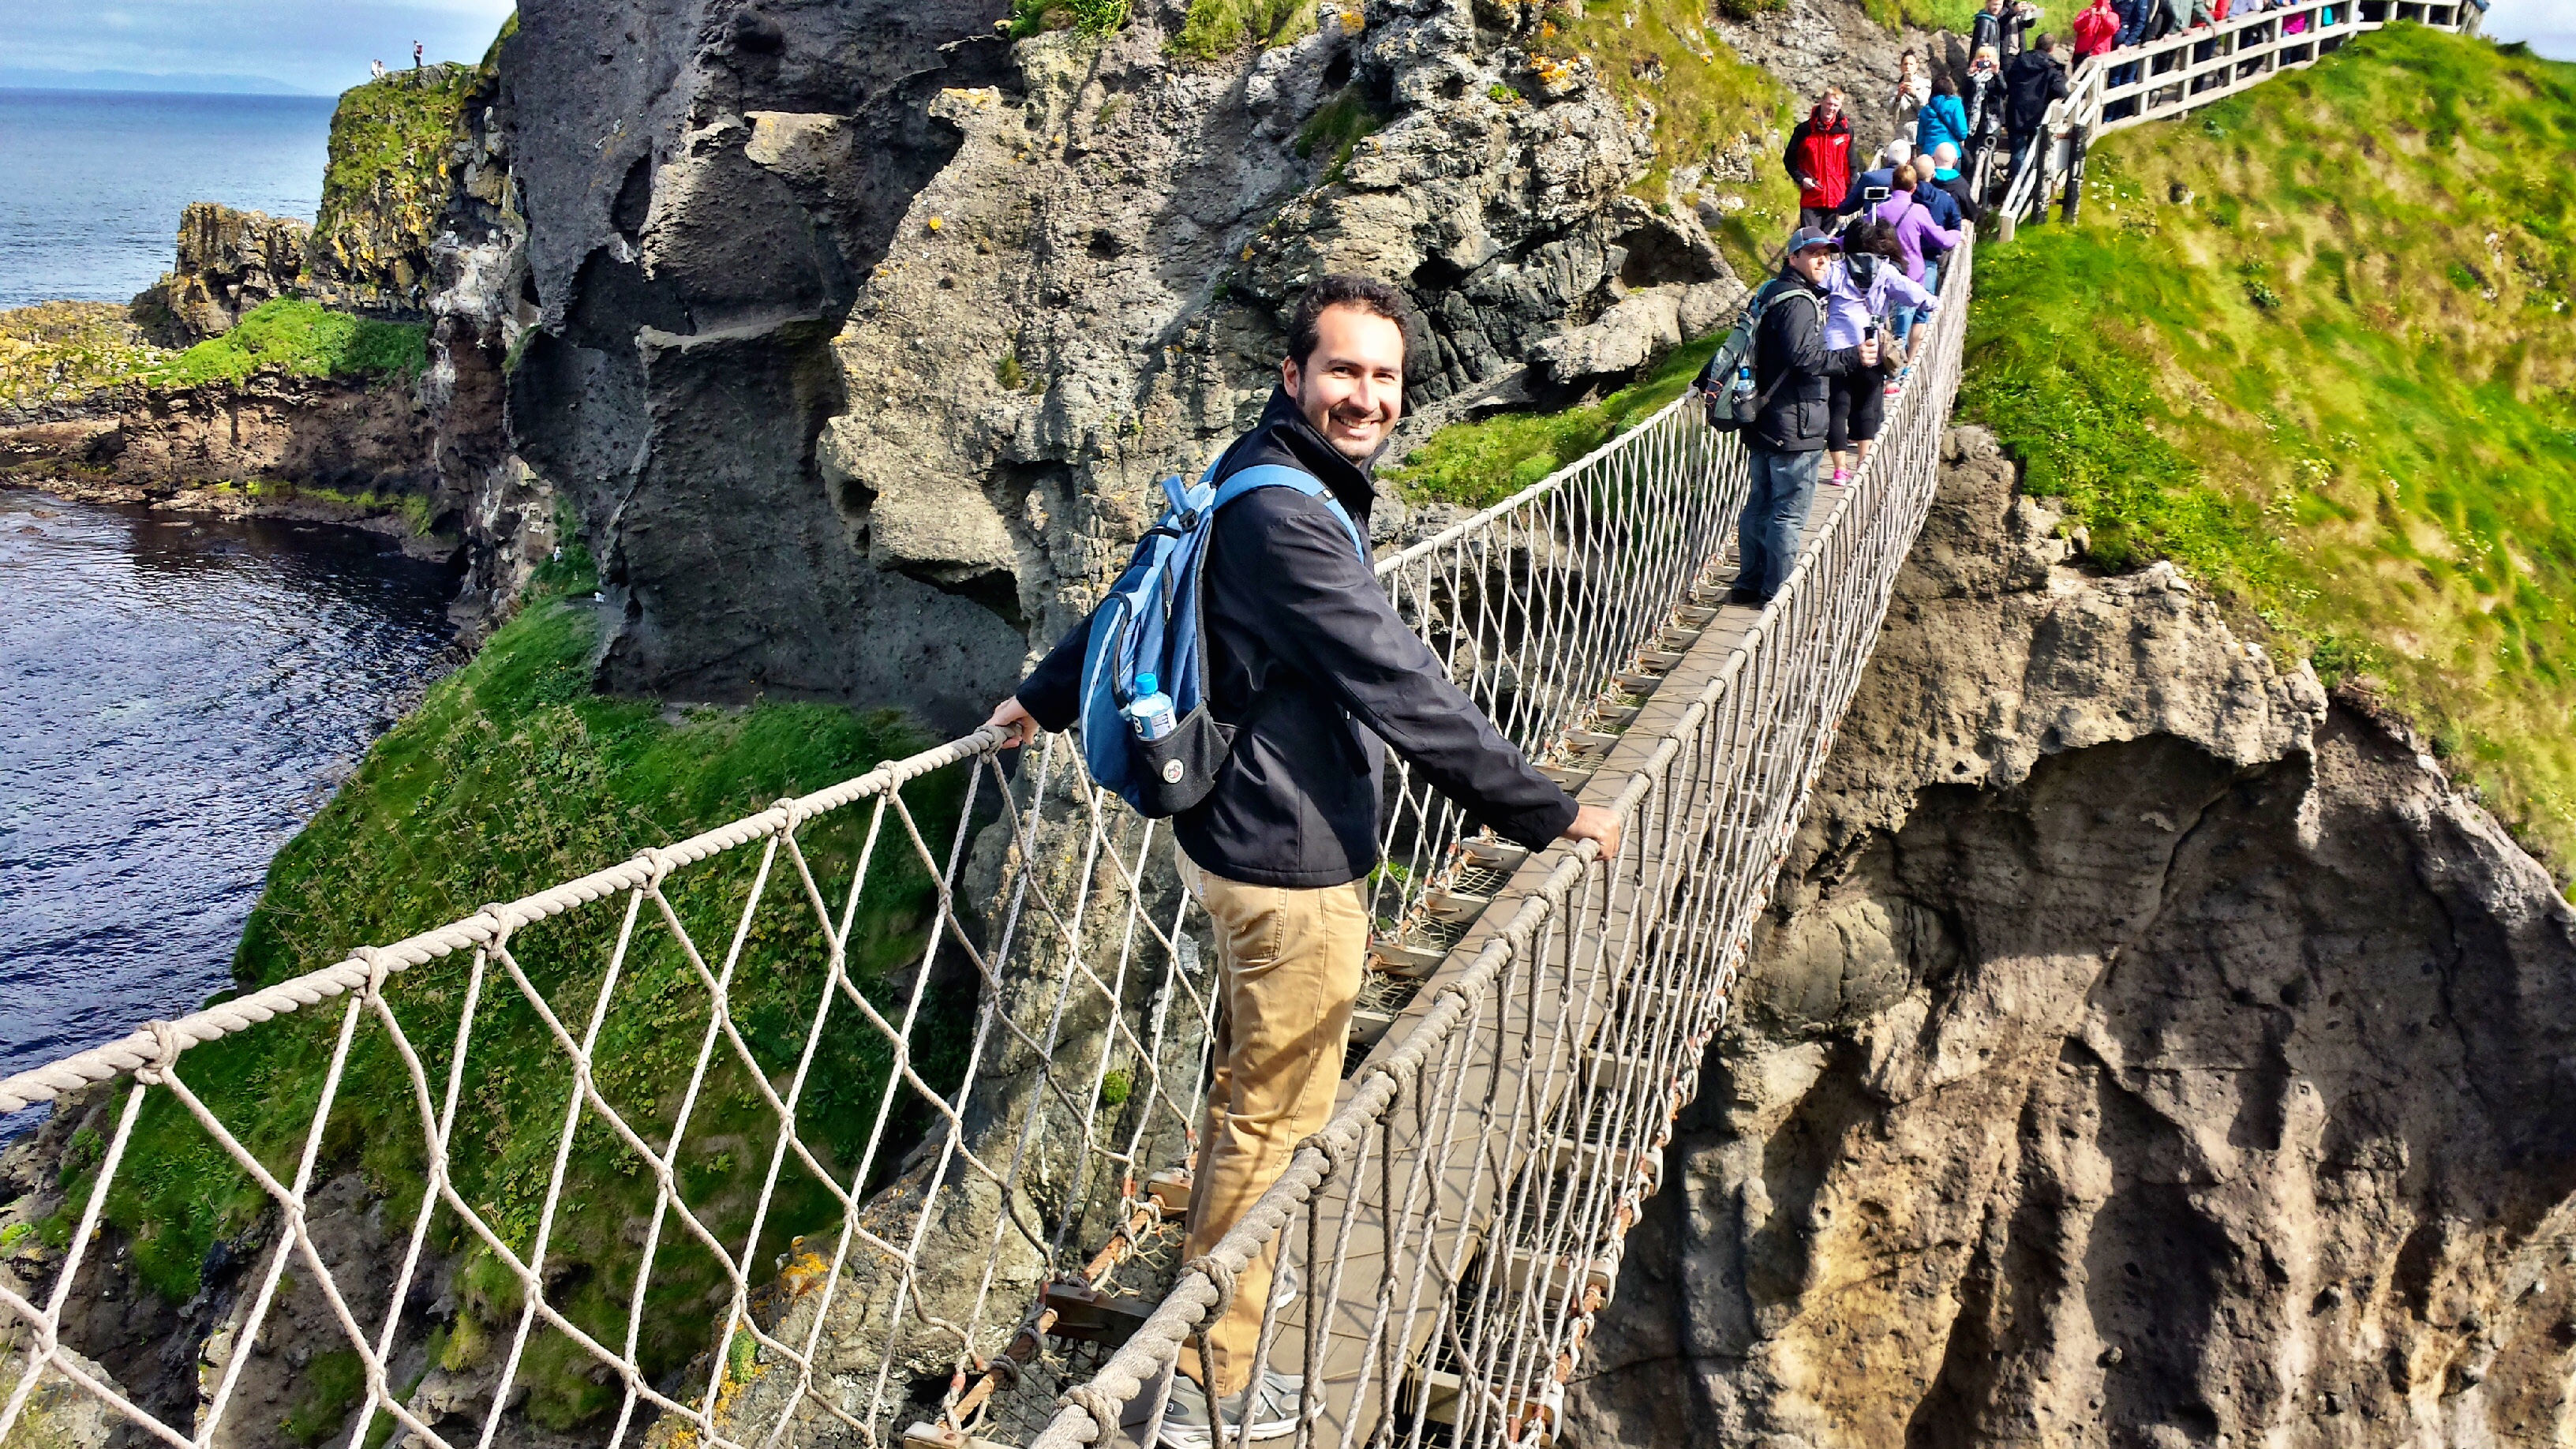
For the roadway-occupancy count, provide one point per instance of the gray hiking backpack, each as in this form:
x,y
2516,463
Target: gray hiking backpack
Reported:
x,y
1726,384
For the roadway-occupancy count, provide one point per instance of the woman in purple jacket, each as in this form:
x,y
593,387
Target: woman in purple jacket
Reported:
x,y
1861,286
1912,223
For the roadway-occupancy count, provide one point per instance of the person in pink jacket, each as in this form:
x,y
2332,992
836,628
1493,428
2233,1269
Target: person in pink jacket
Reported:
x,y
1913,225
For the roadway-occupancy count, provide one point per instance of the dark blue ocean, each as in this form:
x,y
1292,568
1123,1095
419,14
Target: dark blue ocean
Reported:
x,y
91,182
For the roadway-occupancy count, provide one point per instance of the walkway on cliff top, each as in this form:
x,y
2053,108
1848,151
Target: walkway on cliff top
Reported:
x,y
904,1224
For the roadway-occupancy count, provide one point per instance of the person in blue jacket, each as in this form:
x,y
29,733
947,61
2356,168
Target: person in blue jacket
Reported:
x,y
1944,119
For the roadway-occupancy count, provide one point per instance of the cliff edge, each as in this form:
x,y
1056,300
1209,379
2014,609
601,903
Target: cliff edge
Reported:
x,y
2141,1048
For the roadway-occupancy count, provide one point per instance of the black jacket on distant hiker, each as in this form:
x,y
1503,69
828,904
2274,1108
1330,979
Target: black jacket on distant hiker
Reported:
x,y
2030,83
1309,663
1792,364
2004,32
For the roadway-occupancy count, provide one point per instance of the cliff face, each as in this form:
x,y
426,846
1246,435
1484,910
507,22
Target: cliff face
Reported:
x,y
228,262
2141,1049
867,331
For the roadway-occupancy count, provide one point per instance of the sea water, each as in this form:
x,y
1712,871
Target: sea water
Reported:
x,y
181,694
92,182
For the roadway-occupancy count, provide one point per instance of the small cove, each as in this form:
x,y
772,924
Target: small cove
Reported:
x,y
179,695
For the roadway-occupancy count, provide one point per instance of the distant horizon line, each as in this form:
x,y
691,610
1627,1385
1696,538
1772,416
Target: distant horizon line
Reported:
x,y
185,83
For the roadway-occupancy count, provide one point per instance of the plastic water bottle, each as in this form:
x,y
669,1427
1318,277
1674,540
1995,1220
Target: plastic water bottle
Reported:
x,y
1744,382
1149,714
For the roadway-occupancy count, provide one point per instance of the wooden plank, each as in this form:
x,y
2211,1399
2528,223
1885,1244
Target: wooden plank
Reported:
x,y
1467,1174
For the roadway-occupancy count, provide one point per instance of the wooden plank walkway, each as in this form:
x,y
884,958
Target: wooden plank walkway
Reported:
x,y
1471,1175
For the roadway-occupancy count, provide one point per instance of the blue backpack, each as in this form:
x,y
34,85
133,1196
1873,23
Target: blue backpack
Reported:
x,y
1151,623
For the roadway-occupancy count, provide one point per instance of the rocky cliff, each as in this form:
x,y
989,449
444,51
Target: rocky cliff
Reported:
x,y
228,262
867,330
2142,1048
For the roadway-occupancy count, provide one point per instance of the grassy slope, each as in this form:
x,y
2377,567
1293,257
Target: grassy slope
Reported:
x,y
387,173
509,777
1709,105
1486,461
2333,377
63,351
304,338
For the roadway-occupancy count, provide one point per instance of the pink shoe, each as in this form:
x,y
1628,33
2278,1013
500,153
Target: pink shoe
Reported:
x,y
1842,477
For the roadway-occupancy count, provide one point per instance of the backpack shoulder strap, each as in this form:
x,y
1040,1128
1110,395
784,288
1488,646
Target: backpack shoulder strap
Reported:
x,y
1276,475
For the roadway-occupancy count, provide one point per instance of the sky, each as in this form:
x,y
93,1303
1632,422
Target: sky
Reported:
x,y
2550,25
323,46
317,46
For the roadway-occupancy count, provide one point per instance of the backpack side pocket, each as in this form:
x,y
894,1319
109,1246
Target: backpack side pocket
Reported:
x,y
1178,770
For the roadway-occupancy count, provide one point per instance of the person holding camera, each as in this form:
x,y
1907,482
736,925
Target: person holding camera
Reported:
x,y
2001,26
1863,286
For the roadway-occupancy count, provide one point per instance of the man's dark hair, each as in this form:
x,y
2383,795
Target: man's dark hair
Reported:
x,y
1345,289
2046,43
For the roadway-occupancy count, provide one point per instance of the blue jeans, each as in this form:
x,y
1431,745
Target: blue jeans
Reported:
x,y
1784,486
1932,274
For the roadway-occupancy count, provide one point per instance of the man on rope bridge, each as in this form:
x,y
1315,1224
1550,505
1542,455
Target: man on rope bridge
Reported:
x,y
1312,674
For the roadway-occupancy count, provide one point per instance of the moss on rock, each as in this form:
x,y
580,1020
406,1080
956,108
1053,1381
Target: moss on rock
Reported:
x,y
393,144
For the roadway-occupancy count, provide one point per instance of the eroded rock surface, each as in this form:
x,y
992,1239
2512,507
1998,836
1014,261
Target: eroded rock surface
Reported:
x,y
867,331
2141,1049
228,262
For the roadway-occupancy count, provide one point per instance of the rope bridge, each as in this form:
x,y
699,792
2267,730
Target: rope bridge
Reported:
x,y
938,1202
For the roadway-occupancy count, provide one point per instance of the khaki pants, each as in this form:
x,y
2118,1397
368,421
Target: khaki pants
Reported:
x,y
1288,968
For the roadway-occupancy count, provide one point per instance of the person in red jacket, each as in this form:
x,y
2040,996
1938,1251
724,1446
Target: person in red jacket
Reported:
x,y
1819,160
2095,29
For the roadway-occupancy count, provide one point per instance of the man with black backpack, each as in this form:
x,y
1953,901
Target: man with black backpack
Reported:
x,y
1785,437
1311,676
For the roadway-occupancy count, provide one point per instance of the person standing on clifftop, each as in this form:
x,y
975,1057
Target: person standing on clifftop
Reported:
x,y
1792,372
415,55
2001,25
2034,79
1311,668
1818,158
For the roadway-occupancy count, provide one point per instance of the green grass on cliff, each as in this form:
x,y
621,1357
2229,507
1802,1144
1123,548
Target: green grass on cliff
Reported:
x,y
386,180
2315,345
306,339
512,775
1714,112
1481,463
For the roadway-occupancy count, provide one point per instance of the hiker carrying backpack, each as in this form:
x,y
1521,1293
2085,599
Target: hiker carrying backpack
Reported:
x,y
1147,736
1726,384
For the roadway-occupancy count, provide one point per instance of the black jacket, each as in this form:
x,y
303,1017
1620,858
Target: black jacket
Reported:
x,y
1983,95
2030,83
2004,32
1307,659
1791,341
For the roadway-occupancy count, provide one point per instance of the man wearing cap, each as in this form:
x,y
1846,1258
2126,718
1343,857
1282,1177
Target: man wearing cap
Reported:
x,y
1791,366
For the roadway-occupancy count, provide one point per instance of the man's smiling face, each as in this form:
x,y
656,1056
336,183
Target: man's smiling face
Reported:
x,y
1351,387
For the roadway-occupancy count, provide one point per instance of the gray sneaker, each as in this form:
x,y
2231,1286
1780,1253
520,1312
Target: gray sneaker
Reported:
x,y
1283,1286
1270,1406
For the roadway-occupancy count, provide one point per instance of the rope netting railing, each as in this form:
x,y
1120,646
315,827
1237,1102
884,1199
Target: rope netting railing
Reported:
x,y
1459,1221
869,1115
